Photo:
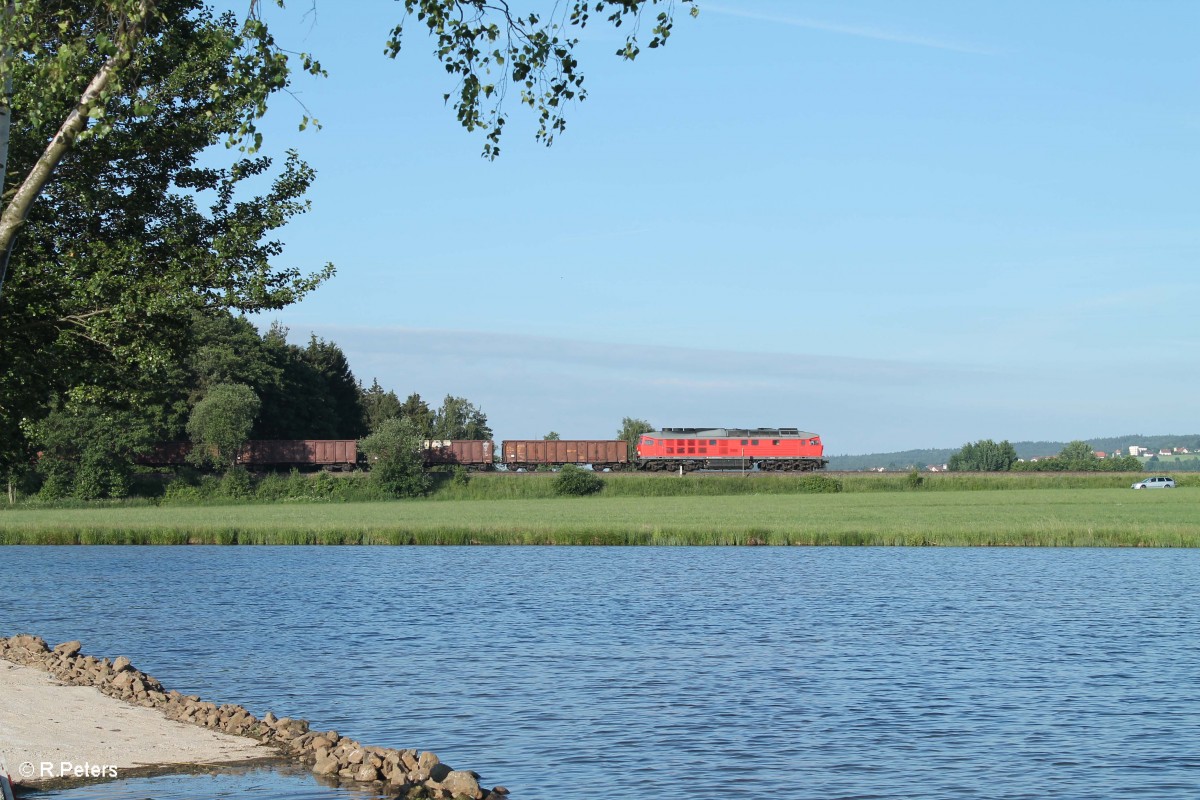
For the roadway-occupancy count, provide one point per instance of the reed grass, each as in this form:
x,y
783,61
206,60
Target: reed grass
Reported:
x,y
1019,517
497,486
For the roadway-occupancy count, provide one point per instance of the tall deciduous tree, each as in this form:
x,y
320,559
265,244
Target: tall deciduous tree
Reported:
x,y
395,454
1077,456
89,451
85,60
458,418
983,456
220,424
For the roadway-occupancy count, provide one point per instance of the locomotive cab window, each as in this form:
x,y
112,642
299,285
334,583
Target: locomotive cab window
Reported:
x,y
745,441
775,442
712,441
754,441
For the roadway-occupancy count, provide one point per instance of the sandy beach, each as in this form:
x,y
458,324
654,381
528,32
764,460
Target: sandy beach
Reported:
x,y
51,731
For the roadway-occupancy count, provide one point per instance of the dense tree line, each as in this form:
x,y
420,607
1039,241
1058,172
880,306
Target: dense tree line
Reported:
x,y
1078,456
231,385
1027,450
1156,464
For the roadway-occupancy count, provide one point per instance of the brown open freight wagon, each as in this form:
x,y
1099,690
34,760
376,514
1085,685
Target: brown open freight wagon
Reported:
x,y
469,453
533,453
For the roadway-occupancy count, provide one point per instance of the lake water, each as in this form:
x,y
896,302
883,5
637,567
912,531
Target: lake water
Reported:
x,y
625,673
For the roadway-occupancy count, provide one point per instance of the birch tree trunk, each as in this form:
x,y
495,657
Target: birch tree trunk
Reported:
x,y
16,211
5,129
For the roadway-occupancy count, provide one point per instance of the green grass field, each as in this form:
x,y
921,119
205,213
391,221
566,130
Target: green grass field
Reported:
x,y
1016,517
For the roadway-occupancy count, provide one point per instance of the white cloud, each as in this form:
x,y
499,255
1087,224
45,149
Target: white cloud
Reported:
x,y
852,30
637,362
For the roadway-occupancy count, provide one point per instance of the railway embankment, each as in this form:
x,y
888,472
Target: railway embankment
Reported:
x,y
104,718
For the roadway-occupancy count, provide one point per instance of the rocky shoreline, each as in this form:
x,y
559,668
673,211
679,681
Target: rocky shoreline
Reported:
x,y
406,774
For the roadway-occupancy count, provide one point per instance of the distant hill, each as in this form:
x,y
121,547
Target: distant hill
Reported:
x,y
906,459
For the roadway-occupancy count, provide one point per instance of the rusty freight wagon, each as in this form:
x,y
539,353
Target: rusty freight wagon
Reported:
x,y
532,453
324,453
469,453
269,453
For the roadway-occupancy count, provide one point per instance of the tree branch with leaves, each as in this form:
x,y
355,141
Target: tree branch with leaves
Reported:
x,y
489,48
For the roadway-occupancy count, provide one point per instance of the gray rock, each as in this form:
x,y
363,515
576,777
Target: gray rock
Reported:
x,y
462,783
366,774
326,765
69,648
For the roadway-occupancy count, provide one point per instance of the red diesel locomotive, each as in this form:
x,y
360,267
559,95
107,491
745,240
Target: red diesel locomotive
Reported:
x,y
773,449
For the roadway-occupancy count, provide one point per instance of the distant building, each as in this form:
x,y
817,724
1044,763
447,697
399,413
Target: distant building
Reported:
x,y
1100,454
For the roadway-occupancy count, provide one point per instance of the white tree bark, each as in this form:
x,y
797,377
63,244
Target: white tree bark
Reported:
x,y
16,211
5,128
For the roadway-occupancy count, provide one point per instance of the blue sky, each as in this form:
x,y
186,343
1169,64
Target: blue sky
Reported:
x,y
897,224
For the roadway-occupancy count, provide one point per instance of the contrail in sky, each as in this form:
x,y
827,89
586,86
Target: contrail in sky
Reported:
x,y
850,30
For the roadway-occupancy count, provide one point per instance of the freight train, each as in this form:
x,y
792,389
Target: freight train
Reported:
x,y
670,449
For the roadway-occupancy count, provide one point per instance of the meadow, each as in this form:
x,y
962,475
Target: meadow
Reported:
x,y
496,486
1050,516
